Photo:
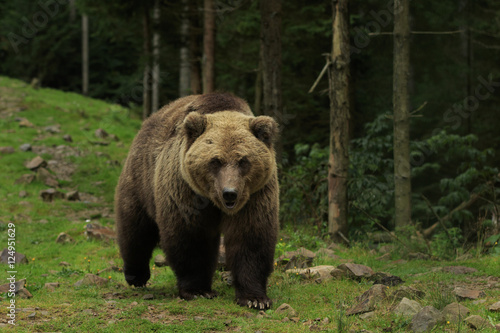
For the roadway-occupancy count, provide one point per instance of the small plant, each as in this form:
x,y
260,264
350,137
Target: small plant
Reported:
x,y
343,321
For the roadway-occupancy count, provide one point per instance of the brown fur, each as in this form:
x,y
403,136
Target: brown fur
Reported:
x,y
200,166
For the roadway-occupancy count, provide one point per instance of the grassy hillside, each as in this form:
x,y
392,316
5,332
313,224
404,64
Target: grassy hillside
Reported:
x,y
91,165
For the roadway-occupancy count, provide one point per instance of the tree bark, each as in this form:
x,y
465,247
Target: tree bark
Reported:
x,y
184,68
85,54
401,104
146,79
338,165
209,47
155,96
194,48
271,63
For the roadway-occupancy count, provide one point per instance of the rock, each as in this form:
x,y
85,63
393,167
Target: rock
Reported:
x,y
287,310
35,163
23,122
227,277
7,150
367,315
73,196
96,231
25,147
43,175
459,270
134,303
24,293
495,307
497,327
50,194
91,280
463,293
338,274
318,272
386,279
19,258
327,253
64,264
301,258
160,260
67,138
478,323
407,308
51,286
368,300
148,297
27,178
18,285
114,137
455,312
426,319
479,301
100,133
63,238
356,271
53,129
23,194
408,292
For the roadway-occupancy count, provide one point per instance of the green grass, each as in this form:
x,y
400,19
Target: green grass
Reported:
x,y
111,308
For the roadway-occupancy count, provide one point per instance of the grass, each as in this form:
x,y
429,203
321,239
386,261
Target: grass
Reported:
x,y
117,307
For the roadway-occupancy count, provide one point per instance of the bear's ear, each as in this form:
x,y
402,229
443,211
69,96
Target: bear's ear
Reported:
x,y
194,125
265,129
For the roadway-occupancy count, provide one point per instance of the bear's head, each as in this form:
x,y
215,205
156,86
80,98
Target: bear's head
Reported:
x,y
227,156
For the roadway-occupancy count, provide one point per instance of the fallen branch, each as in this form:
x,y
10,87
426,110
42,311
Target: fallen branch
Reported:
x,y
321,74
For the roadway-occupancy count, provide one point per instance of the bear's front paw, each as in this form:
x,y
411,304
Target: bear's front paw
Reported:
x,y
192,294
259,303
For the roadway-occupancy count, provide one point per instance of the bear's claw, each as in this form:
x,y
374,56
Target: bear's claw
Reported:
x,y
260,303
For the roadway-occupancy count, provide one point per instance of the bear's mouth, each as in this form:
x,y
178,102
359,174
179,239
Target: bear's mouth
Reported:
x,y
229,204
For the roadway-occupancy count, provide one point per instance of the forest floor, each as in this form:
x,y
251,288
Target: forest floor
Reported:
x,y
75,284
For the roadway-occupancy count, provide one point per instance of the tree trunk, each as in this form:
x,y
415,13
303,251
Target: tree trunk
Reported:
x,y
270,12
155,96
85,54
209,47
194,48
184,71
338,165
146,79
258,88
401,104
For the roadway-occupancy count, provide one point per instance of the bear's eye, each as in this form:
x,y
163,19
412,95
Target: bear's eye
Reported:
x,y
244,165
215,163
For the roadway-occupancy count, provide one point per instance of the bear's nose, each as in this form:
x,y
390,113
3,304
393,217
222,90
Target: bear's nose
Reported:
x,y
229,194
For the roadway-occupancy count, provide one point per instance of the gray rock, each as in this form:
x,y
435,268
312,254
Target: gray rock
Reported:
x,y
67,138
63,238
19,258
338,274
407,308
7,150
53,129
43,175
287,310
35,163
408,292
302,258
50,194
18,285
91,280
51,286
368,300
464,293
478,323
27,178
95,231
455,312
426,319
495,307
160,260
357,271
23,194
148,297
25,147
100,133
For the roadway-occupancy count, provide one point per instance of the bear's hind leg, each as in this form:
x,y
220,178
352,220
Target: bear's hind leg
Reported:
x,y
137,238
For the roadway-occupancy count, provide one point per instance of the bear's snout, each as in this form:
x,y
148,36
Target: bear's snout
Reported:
x,y
230,195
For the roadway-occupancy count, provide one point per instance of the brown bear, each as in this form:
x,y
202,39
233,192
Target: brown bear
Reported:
x,y
201,166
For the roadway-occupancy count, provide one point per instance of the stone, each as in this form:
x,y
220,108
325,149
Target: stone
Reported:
x,y
386,279
24,293
426,319
63,238
96,231
160,260
478,323
327,253
91,280
455,312
318,272
356,271
301,258
25,147
51,286
64,264
67,138
18,285
100,133
287,310
408,292
148,297
23,194
50,194
464,293
73,196
497,327
53,129
368,300
27,178
23,122
407,307
338,274
35,163
495,307
7,150
19,258
43,175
